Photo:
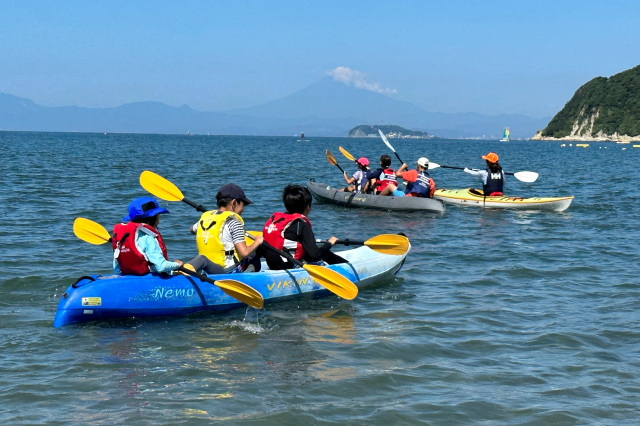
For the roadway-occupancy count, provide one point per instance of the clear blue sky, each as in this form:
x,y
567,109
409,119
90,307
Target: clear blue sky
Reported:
x,y
492,57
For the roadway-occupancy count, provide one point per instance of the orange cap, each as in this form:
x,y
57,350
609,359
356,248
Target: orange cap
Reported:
x,y
491,157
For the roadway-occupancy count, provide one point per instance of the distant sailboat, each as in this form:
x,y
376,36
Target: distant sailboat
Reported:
x,y
505,137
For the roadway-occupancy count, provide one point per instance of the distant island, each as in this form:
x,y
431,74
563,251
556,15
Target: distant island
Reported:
x,y
604,109
395,132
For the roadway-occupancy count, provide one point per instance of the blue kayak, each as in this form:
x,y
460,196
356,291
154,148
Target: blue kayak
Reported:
x,y
99,297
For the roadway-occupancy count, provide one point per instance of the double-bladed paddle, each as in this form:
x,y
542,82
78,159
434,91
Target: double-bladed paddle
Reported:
x,y
393,244
94,233
331,280
523,176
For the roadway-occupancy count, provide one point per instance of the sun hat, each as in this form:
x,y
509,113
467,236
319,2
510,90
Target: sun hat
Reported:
x,y
233,191
423,161
491,157
143,207
363,161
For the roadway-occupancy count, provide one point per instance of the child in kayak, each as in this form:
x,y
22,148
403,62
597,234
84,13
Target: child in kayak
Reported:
x,y
383,179
357,182
291,231
420,184
138,247
492,178
220,234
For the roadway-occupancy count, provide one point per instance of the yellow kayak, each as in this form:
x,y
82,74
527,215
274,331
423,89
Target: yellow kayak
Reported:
x,y
475,197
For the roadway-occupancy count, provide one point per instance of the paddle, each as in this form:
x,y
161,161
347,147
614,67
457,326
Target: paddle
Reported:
x,y
94,233
523,176
347,155
327,278
333,161
164,189
386,142
384,243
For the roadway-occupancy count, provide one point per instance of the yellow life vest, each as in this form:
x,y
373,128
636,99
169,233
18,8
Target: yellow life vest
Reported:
x,y
209,238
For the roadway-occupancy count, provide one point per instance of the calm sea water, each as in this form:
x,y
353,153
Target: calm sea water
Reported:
x,y
499,317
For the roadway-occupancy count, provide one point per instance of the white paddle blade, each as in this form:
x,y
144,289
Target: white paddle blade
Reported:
x,y
385,140
433,165
526,176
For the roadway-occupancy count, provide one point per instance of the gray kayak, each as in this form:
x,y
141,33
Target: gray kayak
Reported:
x,y
324,193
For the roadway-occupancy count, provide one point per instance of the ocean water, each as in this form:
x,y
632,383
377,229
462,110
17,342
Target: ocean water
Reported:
x,y
497,317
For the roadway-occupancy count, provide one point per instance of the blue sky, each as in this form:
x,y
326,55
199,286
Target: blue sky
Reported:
x,y
491,57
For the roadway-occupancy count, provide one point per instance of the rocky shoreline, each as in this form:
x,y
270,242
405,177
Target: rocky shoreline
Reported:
x,y
599,137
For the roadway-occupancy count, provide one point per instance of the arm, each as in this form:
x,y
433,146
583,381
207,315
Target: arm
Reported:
x,y
481,174
149,246
236,230
401,169
312,253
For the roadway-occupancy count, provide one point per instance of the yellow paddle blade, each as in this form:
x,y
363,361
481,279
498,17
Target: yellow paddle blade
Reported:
x,y
160,187
241,292
346,154
388,244
90,231
332,281
331,158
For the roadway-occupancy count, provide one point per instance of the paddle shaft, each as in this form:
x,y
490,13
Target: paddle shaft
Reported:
x,y
198,207
346,242
201,276
386,142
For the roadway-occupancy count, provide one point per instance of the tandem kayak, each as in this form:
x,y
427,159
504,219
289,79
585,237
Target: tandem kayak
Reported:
x,y
324,193
99,297
475,197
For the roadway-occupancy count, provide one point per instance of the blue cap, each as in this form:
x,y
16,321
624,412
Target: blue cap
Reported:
x,y
143,207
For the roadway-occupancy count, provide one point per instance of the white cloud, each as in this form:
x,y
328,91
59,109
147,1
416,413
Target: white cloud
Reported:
x,y
357,79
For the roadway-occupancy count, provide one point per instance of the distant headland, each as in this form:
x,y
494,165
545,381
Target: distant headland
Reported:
x,y
394,132
603,109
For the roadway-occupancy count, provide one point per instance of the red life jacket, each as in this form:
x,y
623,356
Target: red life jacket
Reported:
x,y
273,232
130,259
386,177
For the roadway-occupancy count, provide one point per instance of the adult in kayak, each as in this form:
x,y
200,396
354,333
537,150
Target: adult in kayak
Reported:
x,y
492,177
138,247
291,231
357,182
383,179
220,234
419,183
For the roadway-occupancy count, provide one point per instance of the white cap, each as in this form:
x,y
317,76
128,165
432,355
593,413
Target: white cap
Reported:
x,y
423,161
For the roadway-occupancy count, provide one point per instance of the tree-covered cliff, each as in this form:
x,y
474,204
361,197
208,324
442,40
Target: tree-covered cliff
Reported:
x,y
603,107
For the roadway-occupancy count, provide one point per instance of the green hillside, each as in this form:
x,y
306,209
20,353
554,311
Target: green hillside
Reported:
x,y
611,104
371,130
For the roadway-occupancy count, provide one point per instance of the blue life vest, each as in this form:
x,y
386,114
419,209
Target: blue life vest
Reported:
x,y
495,182
422,185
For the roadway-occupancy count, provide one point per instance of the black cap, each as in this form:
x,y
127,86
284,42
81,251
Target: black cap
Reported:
x,y
231,190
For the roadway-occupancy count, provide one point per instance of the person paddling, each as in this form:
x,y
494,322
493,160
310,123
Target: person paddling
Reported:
x,y
383,178
220,234
291,231
492,178
420,184
138,247
357,182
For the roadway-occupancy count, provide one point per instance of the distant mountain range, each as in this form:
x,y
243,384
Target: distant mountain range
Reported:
x,y
325,108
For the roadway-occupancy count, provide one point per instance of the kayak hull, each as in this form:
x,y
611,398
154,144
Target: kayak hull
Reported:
x,y
474,197
98,297
324,193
